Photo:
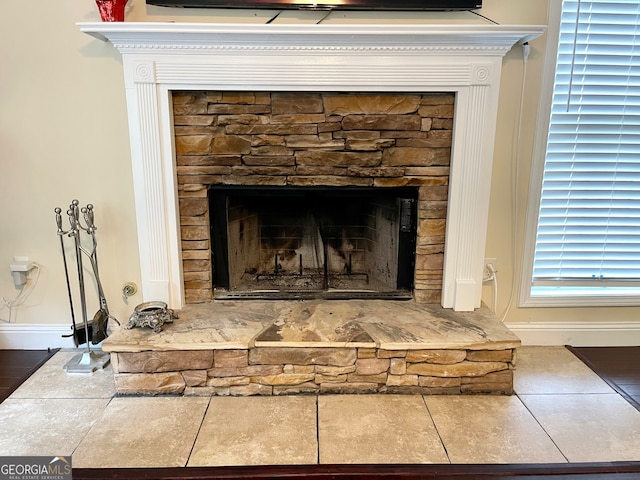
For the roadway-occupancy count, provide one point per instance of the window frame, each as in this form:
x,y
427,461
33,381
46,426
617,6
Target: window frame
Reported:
x,y
535,187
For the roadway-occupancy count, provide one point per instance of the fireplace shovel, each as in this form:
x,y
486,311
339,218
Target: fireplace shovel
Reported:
x,y
102,316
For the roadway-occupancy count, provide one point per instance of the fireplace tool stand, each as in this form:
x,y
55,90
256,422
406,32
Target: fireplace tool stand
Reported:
x,y
90,331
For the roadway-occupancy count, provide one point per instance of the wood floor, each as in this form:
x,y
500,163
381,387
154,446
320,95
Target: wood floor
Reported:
x,y
18,365
620,366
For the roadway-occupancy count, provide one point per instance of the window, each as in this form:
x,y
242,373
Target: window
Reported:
x,y
587,241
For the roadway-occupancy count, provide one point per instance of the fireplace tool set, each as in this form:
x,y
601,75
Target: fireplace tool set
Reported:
x,y
89,331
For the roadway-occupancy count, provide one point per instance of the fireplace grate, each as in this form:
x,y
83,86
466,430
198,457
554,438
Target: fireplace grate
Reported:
x,y
312,295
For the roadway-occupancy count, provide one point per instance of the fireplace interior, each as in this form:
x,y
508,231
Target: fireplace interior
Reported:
x,y
271,242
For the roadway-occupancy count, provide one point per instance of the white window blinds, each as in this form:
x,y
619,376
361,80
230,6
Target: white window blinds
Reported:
x,y
589,221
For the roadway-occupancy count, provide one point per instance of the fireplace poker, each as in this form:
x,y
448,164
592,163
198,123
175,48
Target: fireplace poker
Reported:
x,y
61,233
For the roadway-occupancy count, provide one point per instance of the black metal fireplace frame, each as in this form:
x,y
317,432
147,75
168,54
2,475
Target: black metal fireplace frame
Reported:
x,y
219,195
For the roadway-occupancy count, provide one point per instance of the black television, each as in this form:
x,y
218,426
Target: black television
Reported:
x,y
416,5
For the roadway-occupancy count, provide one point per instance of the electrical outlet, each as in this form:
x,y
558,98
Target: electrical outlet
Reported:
x,y
492,261
20,269
21,264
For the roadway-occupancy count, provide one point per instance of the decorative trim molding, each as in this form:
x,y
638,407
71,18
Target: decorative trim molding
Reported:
x,y
145,72
578,334
160,57
329,74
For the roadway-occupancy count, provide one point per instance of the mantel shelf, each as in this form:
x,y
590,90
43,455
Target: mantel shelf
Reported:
x,y
457,36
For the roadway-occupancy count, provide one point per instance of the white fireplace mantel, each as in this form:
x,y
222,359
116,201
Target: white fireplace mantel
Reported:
x,y
161,57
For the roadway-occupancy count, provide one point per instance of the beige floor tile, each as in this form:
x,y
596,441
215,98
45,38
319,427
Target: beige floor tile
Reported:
x,y
142,432
589,428
490,429
542,370
47,427
51,381
377,429
257,431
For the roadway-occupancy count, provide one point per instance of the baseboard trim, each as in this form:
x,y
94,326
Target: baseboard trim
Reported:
x,y
588,334
16,336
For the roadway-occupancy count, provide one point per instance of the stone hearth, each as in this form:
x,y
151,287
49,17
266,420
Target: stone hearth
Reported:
x,y
317,347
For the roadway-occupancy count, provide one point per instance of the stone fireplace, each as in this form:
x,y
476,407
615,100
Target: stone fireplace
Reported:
x,y
312,195
159,59
340,158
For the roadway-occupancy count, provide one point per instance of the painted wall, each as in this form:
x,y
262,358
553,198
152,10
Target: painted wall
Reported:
x,y
63,135
589,325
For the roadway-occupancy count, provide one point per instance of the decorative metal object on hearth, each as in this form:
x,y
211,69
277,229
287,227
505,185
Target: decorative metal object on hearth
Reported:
x,y
151,314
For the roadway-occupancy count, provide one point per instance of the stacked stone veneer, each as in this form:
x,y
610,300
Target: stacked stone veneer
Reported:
x,y
293,370
312,139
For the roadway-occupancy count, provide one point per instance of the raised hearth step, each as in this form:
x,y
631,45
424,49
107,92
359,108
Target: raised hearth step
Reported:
x,y
316,346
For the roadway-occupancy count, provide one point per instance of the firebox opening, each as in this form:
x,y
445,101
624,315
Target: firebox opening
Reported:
x,y
313,242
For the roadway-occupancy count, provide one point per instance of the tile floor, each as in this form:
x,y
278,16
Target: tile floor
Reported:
x,y
562,412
